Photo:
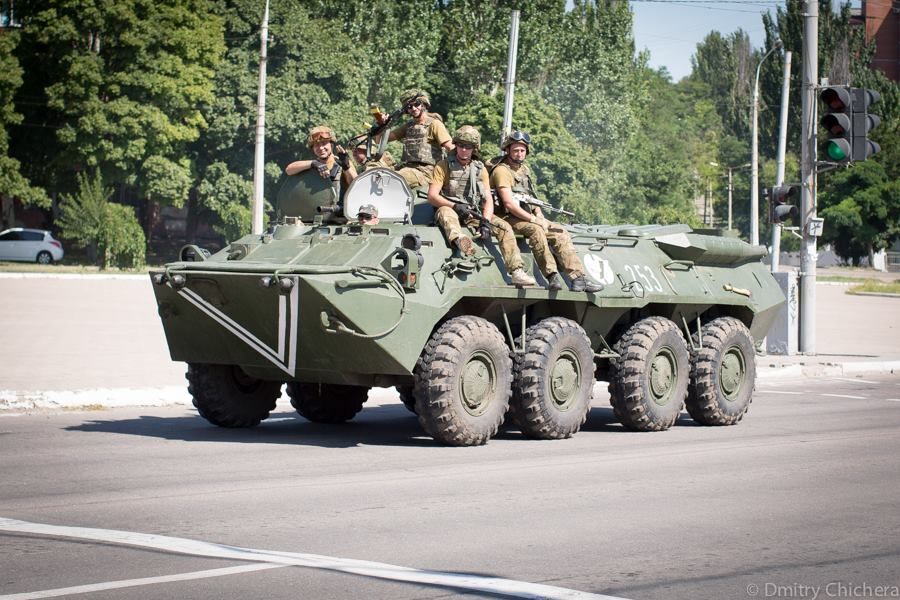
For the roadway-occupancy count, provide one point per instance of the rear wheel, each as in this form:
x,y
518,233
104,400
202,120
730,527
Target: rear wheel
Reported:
x,y
648,382
327,403
553,380
723,373
463,380
226,396
44,258
407,397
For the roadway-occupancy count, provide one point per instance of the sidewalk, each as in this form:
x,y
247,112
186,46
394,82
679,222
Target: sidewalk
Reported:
x,y
78,341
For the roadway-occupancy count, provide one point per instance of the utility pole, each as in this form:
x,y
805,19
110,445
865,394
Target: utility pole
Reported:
x,y
510,75
754,150
782,143
259,176
808,188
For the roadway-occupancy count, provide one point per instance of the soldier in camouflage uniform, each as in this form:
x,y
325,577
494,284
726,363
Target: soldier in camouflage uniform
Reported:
x,y
331,160
424,139
359,155
512,176
462,176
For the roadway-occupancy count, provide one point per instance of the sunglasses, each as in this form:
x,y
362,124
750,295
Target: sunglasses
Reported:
x,y
465,146
416,104
520,136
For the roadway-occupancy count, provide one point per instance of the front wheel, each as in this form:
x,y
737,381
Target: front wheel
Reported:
x,y
327,403
723,373
648,382
226,396
462,384
553,380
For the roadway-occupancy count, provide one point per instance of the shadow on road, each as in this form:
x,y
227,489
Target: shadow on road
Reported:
x,y
385,425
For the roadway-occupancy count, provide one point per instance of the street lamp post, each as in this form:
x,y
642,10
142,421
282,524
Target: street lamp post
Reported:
x,y
730,185
754,152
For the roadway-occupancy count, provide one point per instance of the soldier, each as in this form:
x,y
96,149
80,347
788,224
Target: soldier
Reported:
x,y
424,139
332,161
359,155
512,176
367,215
462,176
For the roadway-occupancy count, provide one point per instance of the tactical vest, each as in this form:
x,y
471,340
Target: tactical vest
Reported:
x,y
464,182
522,184
416,148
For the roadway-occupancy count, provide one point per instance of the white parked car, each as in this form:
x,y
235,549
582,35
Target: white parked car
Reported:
x,y
32,245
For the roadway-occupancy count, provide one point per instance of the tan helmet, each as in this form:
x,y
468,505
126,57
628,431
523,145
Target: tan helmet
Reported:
x,y
468,135
317,134
412,94
517,136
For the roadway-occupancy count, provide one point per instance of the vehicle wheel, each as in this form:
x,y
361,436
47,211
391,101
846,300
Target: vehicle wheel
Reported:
x,y
325,402
407,397
723,373
463,380
44,258
553,380
648,382
226,396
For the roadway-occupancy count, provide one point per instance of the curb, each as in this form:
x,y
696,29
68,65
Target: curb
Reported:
x,y
91,276
826,369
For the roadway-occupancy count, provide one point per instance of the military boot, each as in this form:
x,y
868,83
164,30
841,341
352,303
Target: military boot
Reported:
x,y
554,282
465,245
521,279
581,284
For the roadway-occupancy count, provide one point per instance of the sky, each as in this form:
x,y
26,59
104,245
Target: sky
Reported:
x,y
671,29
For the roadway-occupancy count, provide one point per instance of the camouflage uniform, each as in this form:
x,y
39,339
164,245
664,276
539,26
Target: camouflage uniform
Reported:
x,y
422,142
456,180
520,181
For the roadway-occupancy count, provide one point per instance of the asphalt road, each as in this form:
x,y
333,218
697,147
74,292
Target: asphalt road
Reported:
x,y
800,500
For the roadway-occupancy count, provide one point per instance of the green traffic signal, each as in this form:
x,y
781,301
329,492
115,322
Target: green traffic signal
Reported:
x,y
837,150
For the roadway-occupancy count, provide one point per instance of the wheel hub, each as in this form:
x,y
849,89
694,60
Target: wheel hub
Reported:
x,y
478,382
662,375
565,380
731,373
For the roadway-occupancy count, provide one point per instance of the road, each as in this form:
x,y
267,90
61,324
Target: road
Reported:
x,y
803,494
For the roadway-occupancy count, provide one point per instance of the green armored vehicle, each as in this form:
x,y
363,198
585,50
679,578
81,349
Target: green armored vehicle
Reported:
x,y
332,308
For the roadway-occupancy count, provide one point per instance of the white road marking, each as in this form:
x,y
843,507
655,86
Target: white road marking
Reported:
x,y
493,585
845,396
854,380
893,399
781,392
126,583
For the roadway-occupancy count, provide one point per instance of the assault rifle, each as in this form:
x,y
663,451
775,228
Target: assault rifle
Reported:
x,y
532,201
484,226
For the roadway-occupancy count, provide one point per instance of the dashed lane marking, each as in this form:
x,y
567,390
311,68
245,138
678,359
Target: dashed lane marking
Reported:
x,y
493,585
893,399
116,585
781,392
854,380
845,396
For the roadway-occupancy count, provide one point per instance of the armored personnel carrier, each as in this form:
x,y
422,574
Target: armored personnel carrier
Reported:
x,y
332,308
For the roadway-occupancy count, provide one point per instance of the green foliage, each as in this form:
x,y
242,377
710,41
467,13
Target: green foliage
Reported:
x,y
12,183
861,208
91,221
227,195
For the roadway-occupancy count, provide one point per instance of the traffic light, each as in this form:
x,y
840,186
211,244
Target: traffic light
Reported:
x,y
863,123
779,210
838,122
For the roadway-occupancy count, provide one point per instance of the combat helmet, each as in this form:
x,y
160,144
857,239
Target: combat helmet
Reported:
x,y
411,94
317,134
517,136
468,135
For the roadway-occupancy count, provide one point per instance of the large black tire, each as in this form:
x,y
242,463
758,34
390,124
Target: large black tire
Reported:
x,y
226,396
648,382
327,403
463,380
553,380
407,397
723,373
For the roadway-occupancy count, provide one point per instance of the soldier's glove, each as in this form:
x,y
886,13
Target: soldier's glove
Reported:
x,y
465,213
322,168
343,159
485,231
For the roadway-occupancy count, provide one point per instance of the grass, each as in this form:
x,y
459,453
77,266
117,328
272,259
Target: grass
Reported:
x,y
871,286
838,278
24,267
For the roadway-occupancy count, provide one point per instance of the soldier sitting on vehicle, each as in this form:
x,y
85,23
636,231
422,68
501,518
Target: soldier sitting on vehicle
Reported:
x,y
460,191
332,162
359,155
424,139
513,177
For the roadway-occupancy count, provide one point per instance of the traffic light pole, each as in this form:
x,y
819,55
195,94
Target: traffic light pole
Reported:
x,y
782,144
808,189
